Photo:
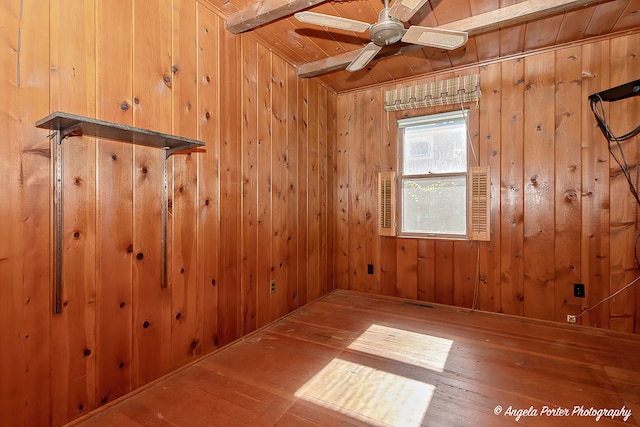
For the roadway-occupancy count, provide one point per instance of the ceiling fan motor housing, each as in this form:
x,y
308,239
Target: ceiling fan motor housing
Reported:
x,y
387,30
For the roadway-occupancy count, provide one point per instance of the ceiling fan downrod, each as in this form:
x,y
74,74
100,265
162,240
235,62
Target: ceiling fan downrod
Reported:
x,y
388,30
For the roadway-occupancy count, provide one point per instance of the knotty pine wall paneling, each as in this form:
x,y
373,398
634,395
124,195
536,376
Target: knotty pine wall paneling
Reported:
x,y
444,271
372,127
426,289
152,109
313,196
388,163
209,123
464,279
30,100
114,203
249,182
292,119
464,276
357,193
168,67
73,332
303,188
407,268
489,153
229,306
264,183
24,215
279,226
341,202
539,168
624,210
284,187
595,189
561,209
323,117
509,199
568,200
332,137
185,285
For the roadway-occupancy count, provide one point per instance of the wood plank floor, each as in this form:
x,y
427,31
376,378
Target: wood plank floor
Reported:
x,y
355,359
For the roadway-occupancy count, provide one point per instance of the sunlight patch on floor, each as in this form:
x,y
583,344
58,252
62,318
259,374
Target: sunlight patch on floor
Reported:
x,y
368,394
424,351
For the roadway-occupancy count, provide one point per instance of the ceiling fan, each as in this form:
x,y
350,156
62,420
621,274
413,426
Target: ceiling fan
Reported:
x,y
388,30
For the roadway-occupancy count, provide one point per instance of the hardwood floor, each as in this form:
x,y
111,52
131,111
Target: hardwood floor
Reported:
x,y
355,359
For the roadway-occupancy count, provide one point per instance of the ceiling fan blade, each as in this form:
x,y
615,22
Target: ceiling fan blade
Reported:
x,y
340,61
405,9
332,21
504,17
435,37
364,57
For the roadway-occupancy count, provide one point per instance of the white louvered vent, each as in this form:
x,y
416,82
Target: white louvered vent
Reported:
x,y
386,203
480,205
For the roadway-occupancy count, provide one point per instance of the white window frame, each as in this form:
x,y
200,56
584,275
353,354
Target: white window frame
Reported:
x,y
422,120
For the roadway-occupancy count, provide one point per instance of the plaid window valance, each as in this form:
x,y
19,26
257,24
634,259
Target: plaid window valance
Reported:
x,y
446,92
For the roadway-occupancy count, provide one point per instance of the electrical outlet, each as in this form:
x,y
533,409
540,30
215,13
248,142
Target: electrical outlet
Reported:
x,y
578,290
272,285
571,318
369,268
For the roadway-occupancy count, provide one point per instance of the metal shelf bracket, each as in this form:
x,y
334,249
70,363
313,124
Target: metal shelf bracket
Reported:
x,y
66,125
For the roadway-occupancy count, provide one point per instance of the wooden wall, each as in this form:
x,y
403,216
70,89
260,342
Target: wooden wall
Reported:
x,y
561,209
252,207
287,178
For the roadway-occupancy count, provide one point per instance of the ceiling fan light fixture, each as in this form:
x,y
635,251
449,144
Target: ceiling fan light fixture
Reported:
x,y
387,32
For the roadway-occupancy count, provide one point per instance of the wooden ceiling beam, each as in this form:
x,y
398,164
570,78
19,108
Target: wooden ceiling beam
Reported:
x,y
486,22
265,11
517,14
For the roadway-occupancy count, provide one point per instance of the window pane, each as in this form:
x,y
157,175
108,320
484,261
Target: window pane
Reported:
x,y
434,205
435,148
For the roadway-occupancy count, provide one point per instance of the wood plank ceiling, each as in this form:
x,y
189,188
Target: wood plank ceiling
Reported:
x,y
301,43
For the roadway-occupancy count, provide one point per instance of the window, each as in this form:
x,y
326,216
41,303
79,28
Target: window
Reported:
x,y
439,195
432,176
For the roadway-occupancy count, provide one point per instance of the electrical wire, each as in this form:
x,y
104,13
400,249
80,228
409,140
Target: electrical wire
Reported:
x,y
476,286
601,118
596,104
625,287
466,124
